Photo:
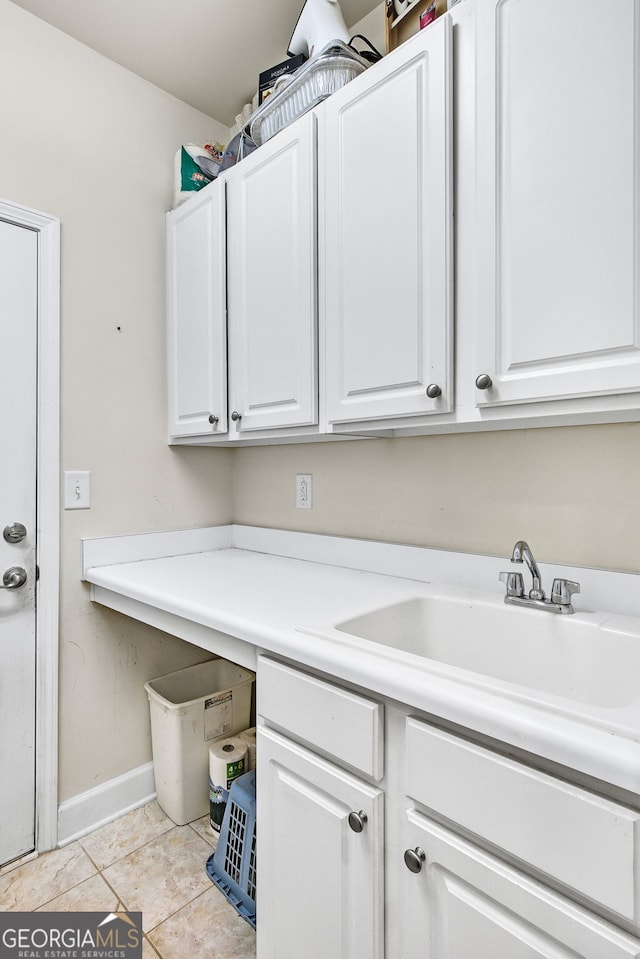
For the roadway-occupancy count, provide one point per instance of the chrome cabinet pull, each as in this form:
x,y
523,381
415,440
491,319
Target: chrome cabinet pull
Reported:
x,y
414,859
358,820
236,417
484,381
213,419
433,391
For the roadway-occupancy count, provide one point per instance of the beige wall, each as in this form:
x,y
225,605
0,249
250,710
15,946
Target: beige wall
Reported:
x,y
573,493
87,141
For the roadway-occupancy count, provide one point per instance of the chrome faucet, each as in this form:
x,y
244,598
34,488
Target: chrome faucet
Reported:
x,y
561,591
522,553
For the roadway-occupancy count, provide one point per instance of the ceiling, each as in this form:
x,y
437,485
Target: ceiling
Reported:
x,y
206,52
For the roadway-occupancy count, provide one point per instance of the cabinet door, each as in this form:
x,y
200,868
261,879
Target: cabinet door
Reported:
x,y
386,147
557,177
196,315
271,233
320,891
465,904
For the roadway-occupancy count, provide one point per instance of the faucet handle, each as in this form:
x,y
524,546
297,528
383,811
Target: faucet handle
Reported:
x,y
514,583
562,590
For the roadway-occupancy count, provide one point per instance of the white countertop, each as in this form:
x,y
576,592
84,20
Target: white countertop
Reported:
x,y
238,602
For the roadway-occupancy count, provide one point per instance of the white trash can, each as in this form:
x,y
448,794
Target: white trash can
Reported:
x,y
189,709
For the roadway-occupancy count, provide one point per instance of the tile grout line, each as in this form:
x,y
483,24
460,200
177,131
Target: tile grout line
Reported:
x,y
152,946
183,906
130,852
100,872
69,888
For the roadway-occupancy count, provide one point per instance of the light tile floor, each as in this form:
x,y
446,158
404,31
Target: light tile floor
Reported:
x,y
140,862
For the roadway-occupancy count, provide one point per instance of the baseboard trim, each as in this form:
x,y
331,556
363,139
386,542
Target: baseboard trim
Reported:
x,y
98,806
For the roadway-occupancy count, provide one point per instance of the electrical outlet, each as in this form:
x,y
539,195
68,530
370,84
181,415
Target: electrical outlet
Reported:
x,y
304,491
77,489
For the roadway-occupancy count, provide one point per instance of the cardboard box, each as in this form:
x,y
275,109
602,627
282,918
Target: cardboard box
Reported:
x,y
417,16
267,78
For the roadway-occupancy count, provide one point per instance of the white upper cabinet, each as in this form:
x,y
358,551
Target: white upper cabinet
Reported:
x,y
557,199
272,284
336,265
385,151
196,316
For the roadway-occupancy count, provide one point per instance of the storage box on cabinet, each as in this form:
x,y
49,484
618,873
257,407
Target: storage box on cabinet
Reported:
x,y
582,841
347,726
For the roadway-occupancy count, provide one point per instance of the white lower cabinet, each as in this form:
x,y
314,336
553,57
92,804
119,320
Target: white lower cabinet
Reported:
x,y
466,904
320,857
480,856
320,825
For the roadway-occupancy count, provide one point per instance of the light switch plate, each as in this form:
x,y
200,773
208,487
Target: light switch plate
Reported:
x,y
77,489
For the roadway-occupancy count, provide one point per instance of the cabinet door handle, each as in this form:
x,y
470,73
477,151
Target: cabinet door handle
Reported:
x,y
357,820
235,416
414,859
484,381
433,391
213,419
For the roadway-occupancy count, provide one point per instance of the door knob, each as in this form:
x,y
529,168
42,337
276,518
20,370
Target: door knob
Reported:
x,y
357,820
14,577
414,859
433,391
235,416
213,419
14,533
484,381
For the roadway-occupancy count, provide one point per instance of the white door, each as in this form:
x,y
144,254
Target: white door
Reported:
x,y
271,275
459,902
18,341
321,882
386,141
197,315
557,179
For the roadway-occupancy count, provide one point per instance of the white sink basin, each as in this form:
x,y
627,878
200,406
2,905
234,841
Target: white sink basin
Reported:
x,y
572,656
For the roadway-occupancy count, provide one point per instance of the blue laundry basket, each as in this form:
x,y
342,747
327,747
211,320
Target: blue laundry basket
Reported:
x,y
232,867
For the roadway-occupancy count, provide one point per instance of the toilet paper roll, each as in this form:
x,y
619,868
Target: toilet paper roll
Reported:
x,y
248,736
227,761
